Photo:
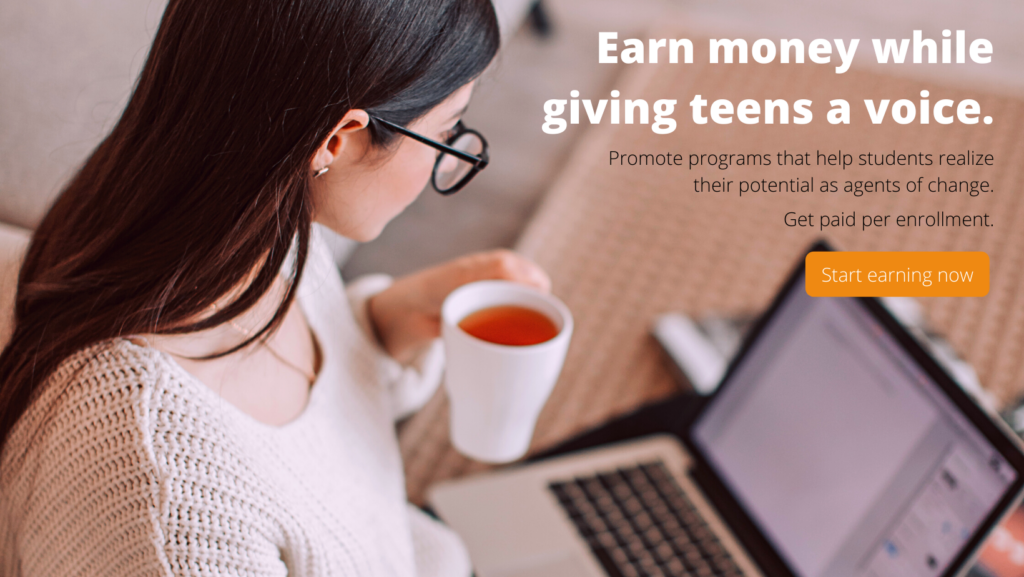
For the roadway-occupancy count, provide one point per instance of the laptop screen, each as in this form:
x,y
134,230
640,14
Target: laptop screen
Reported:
x,y
847,455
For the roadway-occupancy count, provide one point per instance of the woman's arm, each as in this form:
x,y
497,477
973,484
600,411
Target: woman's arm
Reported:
x,y
403,317
412,384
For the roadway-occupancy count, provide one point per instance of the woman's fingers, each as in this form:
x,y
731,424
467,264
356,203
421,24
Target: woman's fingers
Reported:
x,y
407,314
509,265
501,264
430,287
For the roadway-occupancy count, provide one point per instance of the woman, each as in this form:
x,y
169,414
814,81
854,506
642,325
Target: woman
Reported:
x,y
189,388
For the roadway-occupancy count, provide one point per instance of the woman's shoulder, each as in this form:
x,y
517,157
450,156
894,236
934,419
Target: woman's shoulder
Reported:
x,y
101,392
107,459
82,447
93,384
98,382
112,397
115,363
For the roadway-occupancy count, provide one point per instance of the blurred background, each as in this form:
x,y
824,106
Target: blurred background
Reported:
x,y
67,68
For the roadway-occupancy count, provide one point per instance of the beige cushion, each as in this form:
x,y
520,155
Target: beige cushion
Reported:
x,y
13,242
66,70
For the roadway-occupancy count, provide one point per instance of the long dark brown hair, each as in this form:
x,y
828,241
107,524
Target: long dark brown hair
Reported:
x,y
206,175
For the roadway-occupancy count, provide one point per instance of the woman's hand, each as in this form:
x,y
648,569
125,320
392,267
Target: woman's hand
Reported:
x,y
407,316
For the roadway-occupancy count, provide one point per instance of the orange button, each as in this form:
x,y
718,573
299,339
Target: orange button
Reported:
x,y
897,274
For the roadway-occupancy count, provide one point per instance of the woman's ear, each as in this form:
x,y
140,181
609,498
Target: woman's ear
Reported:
x,y
332,147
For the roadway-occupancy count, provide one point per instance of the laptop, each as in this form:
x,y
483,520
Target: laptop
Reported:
x,y
833,447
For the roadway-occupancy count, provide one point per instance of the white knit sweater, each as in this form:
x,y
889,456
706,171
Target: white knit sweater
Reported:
x,y
141,469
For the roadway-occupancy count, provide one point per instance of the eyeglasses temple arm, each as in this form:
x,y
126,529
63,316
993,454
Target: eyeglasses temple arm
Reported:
x,y
471,158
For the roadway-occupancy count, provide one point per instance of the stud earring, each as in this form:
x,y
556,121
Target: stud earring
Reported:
x,y
321,171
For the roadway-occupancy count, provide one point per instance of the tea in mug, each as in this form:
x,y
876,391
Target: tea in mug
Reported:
x,y
509,325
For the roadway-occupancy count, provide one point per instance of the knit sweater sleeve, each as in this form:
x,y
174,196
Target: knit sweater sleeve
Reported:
x,y
411,385
92,497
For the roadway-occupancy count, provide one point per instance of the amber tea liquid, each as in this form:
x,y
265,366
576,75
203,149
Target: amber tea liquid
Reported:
x,y
509,325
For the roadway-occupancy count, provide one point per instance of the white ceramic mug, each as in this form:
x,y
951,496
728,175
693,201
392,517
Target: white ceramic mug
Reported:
x,y
496,392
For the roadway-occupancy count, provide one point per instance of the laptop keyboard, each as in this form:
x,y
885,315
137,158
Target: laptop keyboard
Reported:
x,y
638,523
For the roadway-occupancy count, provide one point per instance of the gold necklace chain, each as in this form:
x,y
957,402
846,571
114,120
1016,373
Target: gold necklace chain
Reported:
x,y
311,377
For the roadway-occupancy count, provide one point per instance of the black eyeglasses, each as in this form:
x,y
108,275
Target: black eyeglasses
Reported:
x,y
461,156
